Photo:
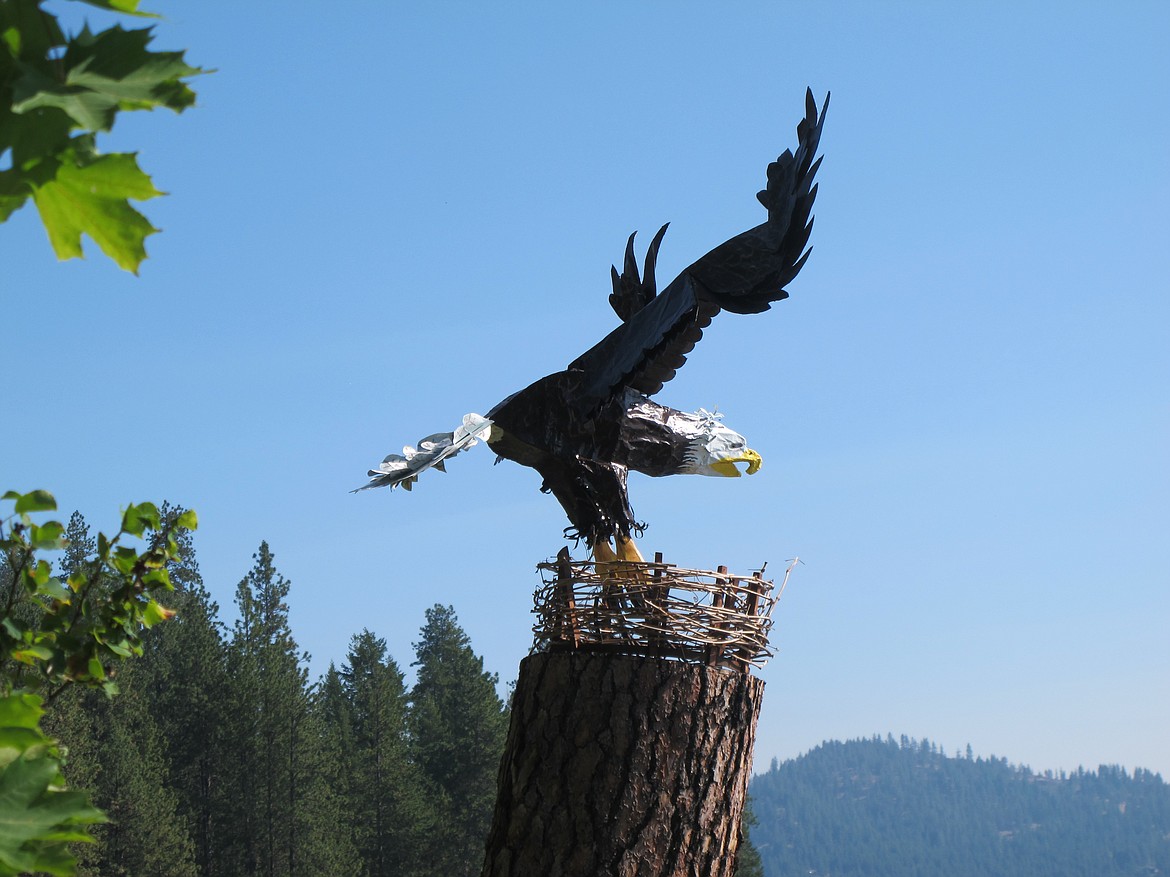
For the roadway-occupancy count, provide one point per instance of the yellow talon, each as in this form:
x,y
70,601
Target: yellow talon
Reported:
x,y
628,551
603,553
611,565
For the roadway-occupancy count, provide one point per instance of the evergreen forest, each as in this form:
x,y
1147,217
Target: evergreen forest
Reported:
x,y
220,756
884,807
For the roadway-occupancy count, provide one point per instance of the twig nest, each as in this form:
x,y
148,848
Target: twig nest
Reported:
x,y
652,608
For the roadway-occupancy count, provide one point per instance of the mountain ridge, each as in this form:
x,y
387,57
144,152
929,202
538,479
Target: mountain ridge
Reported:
x,y
873,807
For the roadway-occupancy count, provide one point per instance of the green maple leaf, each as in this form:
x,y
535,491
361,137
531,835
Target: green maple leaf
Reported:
x,y
117,63
106,72
90,196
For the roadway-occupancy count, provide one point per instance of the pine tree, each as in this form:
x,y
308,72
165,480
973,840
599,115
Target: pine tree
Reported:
x,y
258,656
748,862
321,812
146,834
458,724
79,545
285,820
332,705
339,764
390,814
185,673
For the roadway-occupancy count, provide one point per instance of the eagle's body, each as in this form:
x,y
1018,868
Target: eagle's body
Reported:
x,y
583,428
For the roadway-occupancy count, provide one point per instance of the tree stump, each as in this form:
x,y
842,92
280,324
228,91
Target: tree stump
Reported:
x,y
623,766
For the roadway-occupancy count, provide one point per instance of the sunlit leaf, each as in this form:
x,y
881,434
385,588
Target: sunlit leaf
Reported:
x,y
121,649
158,578
77,580
47,536
154,613
132,522
13,40
124,559
36,501
32,654
56,590
139,518
16,741
93,199
130,7
21,711
41,573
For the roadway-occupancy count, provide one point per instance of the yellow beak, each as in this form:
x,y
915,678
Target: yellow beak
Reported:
x,y
727,467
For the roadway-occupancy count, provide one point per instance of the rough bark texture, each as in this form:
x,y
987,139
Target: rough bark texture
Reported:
x,y
623,766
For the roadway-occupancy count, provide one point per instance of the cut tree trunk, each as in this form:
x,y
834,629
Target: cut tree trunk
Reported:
x,y
623,766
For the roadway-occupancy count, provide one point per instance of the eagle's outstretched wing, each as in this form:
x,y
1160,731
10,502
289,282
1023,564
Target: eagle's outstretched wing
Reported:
x,y
743,275
432,452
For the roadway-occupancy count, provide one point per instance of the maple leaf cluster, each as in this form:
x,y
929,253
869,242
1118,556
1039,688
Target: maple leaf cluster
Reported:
x,y
57,92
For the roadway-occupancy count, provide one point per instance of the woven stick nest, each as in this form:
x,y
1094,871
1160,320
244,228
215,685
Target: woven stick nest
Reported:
x,y
654,608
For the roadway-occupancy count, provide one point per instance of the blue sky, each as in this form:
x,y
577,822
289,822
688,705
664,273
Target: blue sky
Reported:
x,y
381,218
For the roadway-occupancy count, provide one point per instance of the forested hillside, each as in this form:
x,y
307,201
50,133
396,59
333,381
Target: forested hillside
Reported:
x,y
220,756
871,808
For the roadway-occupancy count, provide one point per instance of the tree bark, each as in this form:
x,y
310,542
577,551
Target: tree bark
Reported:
x,y
624,767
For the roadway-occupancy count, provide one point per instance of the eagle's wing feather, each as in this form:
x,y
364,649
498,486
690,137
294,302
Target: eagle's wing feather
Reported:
x,y
743,275
432,452
631,293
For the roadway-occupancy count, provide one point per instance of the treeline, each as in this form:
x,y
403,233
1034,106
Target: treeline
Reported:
x,y
221,756
878,807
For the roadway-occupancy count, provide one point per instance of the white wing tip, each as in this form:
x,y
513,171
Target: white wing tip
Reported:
x,y
403,469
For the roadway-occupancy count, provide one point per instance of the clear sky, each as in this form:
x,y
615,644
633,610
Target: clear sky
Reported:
x,y
383,216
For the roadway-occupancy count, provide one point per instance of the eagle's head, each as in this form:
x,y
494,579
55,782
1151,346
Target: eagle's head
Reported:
x,y
712,448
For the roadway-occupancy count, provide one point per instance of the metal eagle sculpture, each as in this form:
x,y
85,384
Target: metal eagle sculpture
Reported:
x,y
585,427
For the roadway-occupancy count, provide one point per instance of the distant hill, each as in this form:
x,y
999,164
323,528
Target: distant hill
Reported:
x,y
887,808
